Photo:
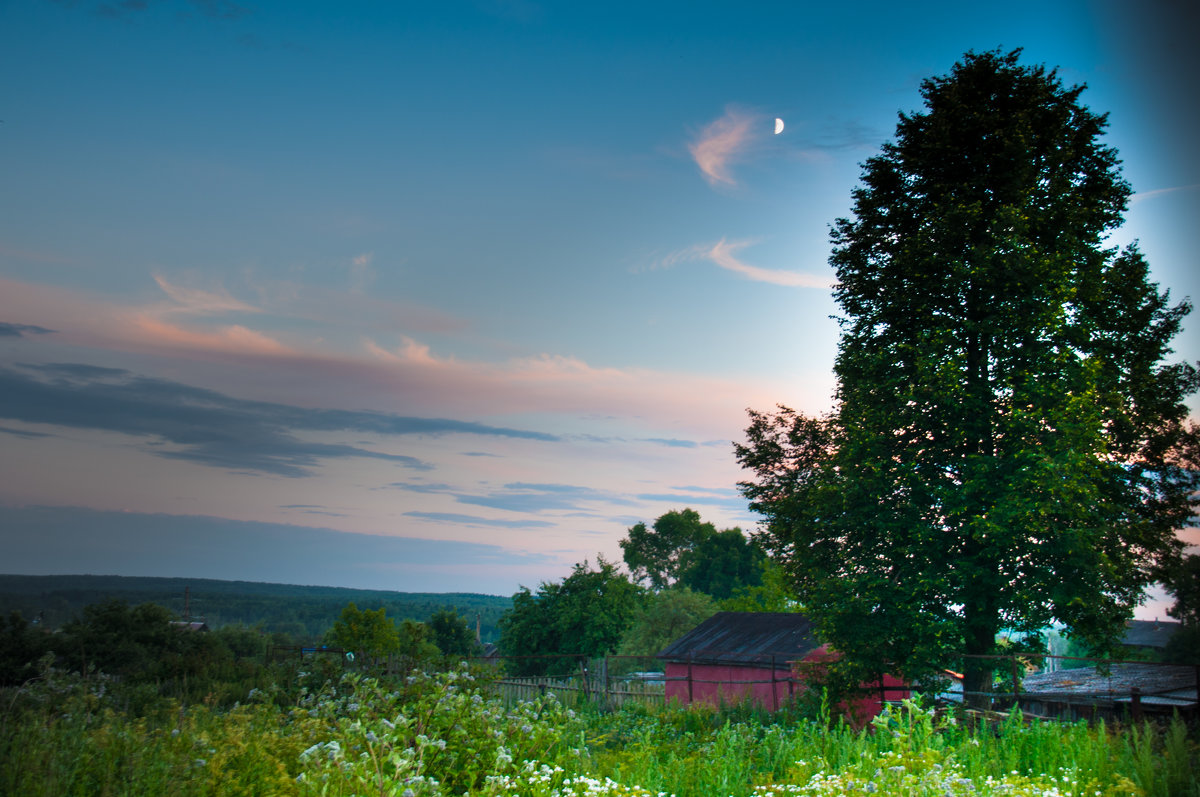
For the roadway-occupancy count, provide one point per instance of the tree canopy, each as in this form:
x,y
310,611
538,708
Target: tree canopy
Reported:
x,y
365,632
585,614
1008,447
681,549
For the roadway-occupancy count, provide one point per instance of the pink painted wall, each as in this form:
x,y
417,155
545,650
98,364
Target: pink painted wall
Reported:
x,y
714,684
719,683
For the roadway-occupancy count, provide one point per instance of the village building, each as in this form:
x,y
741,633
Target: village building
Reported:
x,y
766,658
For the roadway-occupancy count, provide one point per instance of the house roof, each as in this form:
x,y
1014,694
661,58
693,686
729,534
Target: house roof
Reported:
x,y
1149,633
192,626
746,638
1165,684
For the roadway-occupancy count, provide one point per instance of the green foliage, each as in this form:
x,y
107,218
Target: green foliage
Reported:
x,y
656,555
432,735
1184,646
667,615
21,645
773,593
1183,581
445,735
1008,449
451,634
585,615
416,642
722,563
683,550
369,634
304,613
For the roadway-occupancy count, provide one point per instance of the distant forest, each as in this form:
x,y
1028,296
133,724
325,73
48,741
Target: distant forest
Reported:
x,y
304,613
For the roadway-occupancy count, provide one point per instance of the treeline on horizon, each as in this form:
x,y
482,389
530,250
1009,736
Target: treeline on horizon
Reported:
x,y
302,613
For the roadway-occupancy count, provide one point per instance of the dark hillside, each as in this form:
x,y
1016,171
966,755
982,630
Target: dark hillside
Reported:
x,y
301,611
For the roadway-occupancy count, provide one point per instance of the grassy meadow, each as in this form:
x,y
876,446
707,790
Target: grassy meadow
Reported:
x,y
331,733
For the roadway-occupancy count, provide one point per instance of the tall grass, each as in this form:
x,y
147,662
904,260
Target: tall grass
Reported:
x,y
450,735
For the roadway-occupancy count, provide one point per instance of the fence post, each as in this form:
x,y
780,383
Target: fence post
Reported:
x,y
1016,681
605,684
690,698
1135,700
583,672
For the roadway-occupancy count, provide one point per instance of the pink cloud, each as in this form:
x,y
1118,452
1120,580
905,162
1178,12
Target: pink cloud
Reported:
x,y
720,143
202,302
410,379
724,254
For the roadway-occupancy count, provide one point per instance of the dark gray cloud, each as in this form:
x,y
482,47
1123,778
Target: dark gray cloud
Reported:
x,y
473,520
206,427
71,540
21,330
23,433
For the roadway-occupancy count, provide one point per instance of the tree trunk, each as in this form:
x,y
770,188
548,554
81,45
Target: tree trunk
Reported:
x,y
978,670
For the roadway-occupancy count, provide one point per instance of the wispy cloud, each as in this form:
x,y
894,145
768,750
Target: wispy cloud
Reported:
x,y
671,442
1144,195
525,497
361,274
720,144
209,428
199,301
474,520
724,254
411,375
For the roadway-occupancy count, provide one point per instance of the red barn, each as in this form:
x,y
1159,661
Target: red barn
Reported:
x,y
735,656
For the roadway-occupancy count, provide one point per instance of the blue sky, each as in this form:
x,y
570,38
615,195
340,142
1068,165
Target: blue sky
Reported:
x,y
446,296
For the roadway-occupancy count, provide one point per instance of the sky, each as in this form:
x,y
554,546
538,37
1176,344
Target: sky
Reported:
x,y
447,296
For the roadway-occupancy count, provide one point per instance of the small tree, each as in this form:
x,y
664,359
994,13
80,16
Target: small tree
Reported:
x,y
451,634
366,633
585,614
667,615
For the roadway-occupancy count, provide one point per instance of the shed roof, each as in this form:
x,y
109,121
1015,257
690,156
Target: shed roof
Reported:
x,y
746,638
1159,683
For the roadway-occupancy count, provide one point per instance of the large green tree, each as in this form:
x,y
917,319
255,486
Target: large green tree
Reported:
x,y
1007,447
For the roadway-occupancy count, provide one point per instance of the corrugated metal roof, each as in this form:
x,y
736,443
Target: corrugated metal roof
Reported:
x,y
746,638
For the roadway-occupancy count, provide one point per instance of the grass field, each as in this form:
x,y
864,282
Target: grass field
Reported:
x,y
448,734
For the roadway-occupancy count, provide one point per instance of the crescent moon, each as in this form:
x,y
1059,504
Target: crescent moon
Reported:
x,y
778,126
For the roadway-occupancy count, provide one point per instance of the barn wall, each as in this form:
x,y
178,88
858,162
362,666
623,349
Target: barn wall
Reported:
x,y
715,684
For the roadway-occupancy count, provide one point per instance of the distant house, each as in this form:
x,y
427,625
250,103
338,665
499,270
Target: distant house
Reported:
x,y
1149,634
189,626
764,657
